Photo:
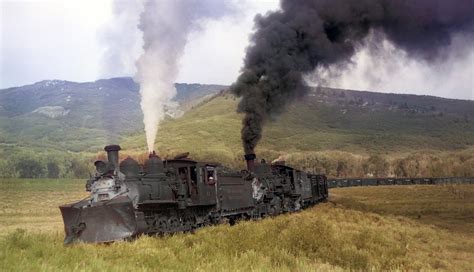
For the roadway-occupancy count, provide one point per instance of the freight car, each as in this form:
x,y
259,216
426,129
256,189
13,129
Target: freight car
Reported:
x,y
333,183
175,195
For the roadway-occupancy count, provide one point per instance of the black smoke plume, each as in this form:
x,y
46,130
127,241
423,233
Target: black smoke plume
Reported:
x,y
314,34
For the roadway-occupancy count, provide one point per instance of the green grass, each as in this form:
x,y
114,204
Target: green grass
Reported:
x,y
365,228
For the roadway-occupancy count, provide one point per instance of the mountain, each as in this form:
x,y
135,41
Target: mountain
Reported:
x,y
338,132
328,119
75,116
79,117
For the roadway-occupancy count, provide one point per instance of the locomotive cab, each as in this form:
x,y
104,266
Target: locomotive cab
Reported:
x,y
288,177
199,179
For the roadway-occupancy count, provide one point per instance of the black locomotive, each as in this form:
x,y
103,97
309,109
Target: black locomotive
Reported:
x,y
180,194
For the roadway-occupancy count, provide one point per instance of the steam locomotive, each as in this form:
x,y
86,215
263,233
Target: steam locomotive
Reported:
x,y
180,194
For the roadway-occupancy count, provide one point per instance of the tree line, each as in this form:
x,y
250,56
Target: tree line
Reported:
x,y
19,163
28,164
419,164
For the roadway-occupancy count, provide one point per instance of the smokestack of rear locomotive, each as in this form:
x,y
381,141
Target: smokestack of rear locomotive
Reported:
x,y
250,160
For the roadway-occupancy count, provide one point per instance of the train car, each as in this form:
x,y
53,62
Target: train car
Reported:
x,y
369,182
381,182
319,187
335,183
424,181
344,183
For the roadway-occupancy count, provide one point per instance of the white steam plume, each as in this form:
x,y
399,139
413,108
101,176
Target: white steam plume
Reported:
x,y
166,26
121,39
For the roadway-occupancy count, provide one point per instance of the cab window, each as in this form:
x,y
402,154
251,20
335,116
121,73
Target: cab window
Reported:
x,y
193,174
183,173
210,175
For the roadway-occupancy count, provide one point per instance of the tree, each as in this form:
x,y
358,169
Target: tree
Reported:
x,y
29,168
7,169
407,167
401,169
79,168
53,170
376,166
341,168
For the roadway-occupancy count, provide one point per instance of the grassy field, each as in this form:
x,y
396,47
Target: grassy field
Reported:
x,y
32,204
363,228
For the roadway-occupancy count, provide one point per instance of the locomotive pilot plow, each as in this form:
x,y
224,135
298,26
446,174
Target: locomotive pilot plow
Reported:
x,y
100,222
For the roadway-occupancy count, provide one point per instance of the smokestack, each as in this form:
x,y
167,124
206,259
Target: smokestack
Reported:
x,y
250,159
152,154
113,155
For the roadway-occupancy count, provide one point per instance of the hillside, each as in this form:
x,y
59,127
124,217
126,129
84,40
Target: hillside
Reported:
x,y
327,128
73,116
338,132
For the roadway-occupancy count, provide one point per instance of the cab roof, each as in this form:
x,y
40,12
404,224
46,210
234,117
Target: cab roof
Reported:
x,y
187,161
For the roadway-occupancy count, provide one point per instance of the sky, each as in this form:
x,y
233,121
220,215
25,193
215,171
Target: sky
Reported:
x,y
65,40
69,40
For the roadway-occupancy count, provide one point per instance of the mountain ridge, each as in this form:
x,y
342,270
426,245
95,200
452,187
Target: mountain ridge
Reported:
x,y
338,132
105,110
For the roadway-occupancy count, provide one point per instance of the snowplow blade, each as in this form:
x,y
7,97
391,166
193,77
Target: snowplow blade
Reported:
x,y
100,222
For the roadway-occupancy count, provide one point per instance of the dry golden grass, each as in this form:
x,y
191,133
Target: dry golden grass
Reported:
x,y
364,228
446,210
33,204
450,207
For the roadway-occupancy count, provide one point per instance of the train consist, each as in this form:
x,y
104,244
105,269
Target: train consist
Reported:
x,y
333,183
175,195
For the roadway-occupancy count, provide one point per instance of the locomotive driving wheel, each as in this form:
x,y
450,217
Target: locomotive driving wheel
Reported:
x,y
174,224
275,206
189,222
287,205
162,225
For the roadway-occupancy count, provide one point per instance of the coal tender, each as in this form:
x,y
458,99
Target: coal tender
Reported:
x,y
178,195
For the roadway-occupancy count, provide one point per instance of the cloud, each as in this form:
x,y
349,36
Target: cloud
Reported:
x,y
389,70
219,48
50,40
55,39
121,39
